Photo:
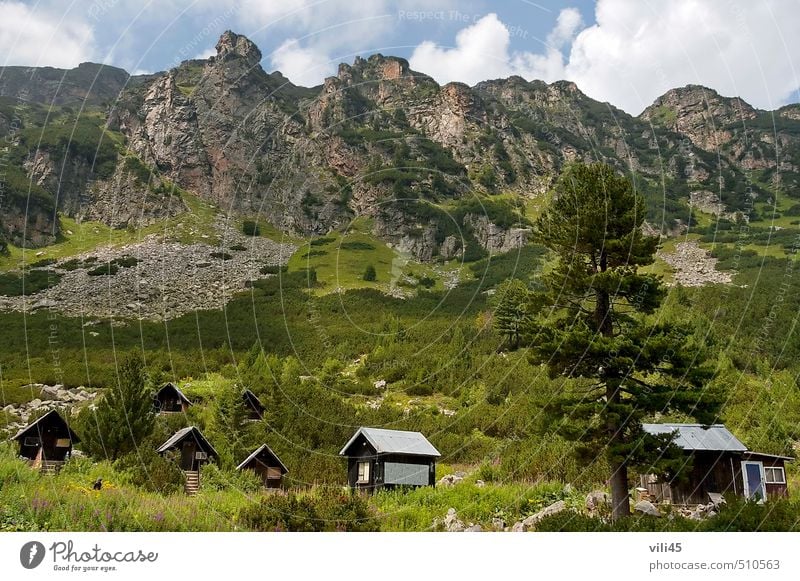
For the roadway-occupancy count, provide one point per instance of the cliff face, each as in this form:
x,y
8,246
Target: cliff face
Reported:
x,y
424,161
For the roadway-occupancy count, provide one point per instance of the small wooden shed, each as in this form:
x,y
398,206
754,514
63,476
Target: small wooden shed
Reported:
x,y
193,447
720,464
47,442
170,399
379,458
254,407
267,465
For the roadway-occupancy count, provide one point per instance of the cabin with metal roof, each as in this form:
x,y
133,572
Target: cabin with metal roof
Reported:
x,y
719,464
266,464
170,400
379,458
253,405
47,442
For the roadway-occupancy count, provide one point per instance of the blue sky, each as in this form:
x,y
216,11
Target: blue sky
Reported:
x,y
626,52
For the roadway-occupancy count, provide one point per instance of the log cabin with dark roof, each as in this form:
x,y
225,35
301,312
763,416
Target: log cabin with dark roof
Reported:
x,y
191,450
718,464
379,458
47,442
266,464
170,400
254,407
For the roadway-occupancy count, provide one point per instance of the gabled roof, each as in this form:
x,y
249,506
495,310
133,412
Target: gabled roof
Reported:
x,y
176,389
252,400
51,416
184,433
394,442
713,438
263,448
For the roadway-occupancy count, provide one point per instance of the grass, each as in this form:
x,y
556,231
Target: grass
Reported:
x,y
342,257
196,225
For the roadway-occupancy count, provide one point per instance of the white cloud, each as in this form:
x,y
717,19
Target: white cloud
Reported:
x,y
209,52
303,66
481,52
35,38
637,51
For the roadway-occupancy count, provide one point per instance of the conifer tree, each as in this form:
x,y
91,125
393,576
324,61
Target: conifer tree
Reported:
x,y
601,328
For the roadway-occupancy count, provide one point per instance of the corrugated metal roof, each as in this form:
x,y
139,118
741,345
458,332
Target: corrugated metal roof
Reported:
x,y
714,438
257,452
394,442
183,433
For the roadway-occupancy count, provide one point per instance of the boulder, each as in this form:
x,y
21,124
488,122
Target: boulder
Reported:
x,y
450,480
473,529
452,524
480,483
530,522
596,499
646,507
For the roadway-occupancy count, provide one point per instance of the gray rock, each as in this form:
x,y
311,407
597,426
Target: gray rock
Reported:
x,y
452,524
480,483
531,522
450,480
498,524
596,499
646,507
473,529
518,527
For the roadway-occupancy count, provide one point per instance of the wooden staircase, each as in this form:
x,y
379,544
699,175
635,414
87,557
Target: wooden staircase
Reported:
x,y
192,482
50,467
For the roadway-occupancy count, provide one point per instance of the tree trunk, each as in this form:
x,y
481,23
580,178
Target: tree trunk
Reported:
x,y
620,503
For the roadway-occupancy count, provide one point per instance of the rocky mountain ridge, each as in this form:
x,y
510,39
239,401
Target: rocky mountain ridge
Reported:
x,y
441,170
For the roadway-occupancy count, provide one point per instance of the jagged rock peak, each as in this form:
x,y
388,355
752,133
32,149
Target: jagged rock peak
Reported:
x,y
698,97
232,45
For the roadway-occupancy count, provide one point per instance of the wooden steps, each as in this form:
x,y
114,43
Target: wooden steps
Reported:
x,y
192,483
50,467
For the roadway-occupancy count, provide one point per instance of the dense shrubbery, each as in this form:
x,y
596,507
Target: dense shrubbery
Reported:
x,y
325,510
28,283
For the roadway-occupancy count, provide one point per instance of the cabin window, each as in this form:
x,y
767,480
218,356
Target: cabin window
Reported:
x,y
63,443
774,475
363,472
200,456
31,441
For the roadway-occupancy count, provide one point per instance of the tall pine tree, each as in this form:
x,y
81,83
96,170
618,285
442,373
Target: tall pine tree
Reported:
x,y
124,416
601,327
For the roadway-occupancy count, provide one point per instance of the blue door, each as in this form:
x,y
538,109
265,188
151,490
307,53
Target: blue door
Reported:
x,y
753,473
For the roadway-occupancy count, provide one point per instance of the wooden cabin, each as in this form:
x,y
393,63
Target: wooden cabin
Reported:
x,y
193,447
47,442
720,464
170,400
254,407
267,465
378,458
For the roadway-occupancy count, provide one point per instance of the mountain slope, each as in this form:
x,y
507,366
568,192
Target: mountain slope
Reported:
x,y
442,170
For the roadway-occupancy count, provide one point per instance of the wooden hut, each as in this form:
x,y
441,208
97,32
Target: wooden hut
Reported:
x,y
193,450
378,458
267,465
720,464
47,442
169,400
254,407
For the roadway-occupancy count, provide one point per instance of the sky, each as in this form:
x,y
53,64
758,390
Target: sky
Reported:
x,y
625,52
